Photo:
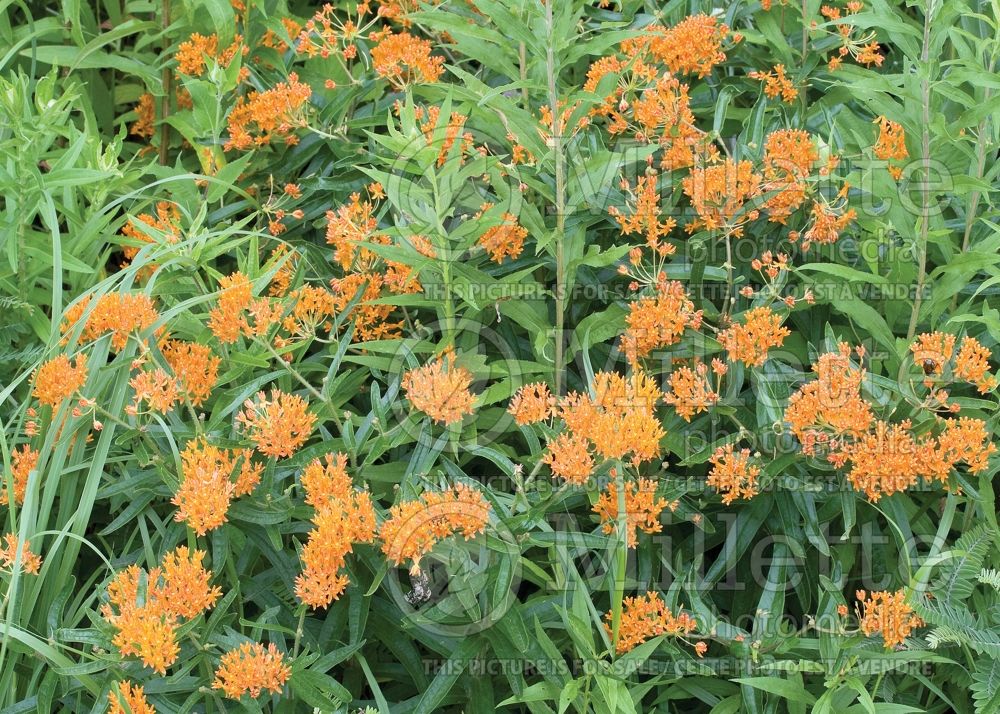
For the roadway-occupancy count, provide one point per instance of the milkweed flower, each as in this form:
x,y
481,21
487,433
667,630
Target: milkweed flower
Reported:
x,y
891,144
30,562
690,391
132,697
505,240
115,313
719,194
750,340
344,516
145,608
440,389
645,617
404,60
971,365
157,388
642,509
569,458
23,462
732,474
887,614
261,116
775,83
194,366
207,486
692,46
414,527
279,426
250,669
658,320
227,320
831,405
932,351
531,404
883,461
58,379
191,54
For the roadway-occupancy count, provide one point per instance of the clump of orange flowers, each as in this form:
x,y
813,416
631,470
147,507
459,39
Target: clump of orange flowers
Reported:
x,y
344,516
887,614
261,116
659,320
209,481
971,365
719,193
642,509
531,404
414,527
192,54
279,426
195,367
23,461
732,474
157,388
145,608
30,562
891,144
690,392
59,379
119,314
404,60
250,669
749,341
132,696
148,228
777,83
505,240
440,389
692,46
645,617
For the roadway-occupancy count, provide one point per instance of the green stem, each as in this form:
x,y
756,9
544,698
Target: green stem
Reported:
x,y
168,88
560,201
925,159
621,560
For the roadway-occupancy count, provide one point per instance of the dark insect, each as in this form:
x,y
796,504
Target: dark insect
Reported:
x,y
929,366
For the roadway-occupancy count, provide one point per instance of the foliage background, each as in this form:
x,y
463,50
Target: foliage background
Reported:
x,y
758,574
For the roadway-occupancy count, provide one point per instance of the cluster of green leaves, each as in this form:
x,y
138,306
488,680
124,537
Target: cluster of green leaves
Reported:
x,y
515,619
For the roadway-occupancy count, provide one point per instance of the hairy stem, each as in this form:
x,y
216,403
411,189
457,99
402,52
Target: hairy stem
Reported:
x,y
560,202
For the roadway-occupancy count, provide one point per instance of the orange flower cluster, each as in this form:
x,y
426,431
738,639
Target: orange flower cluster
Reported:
x,y
443,136
645,617
148,228
192,54
238,312
789,156
325,34
933,350
644,216
23,462
59,379
830,406
145,608
864,50
30,562
719,194
690,391
440,389
887,614
250,669
642,509
891,144
827,222
132,697
775,83
750,340
659,320
195,367
344,516
207,485
145,112
261,116
531,404
119,314
157,388
889,459
732,474
404,60
692,46
349,227
414,527
971,365
505,240
279,426
568,457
